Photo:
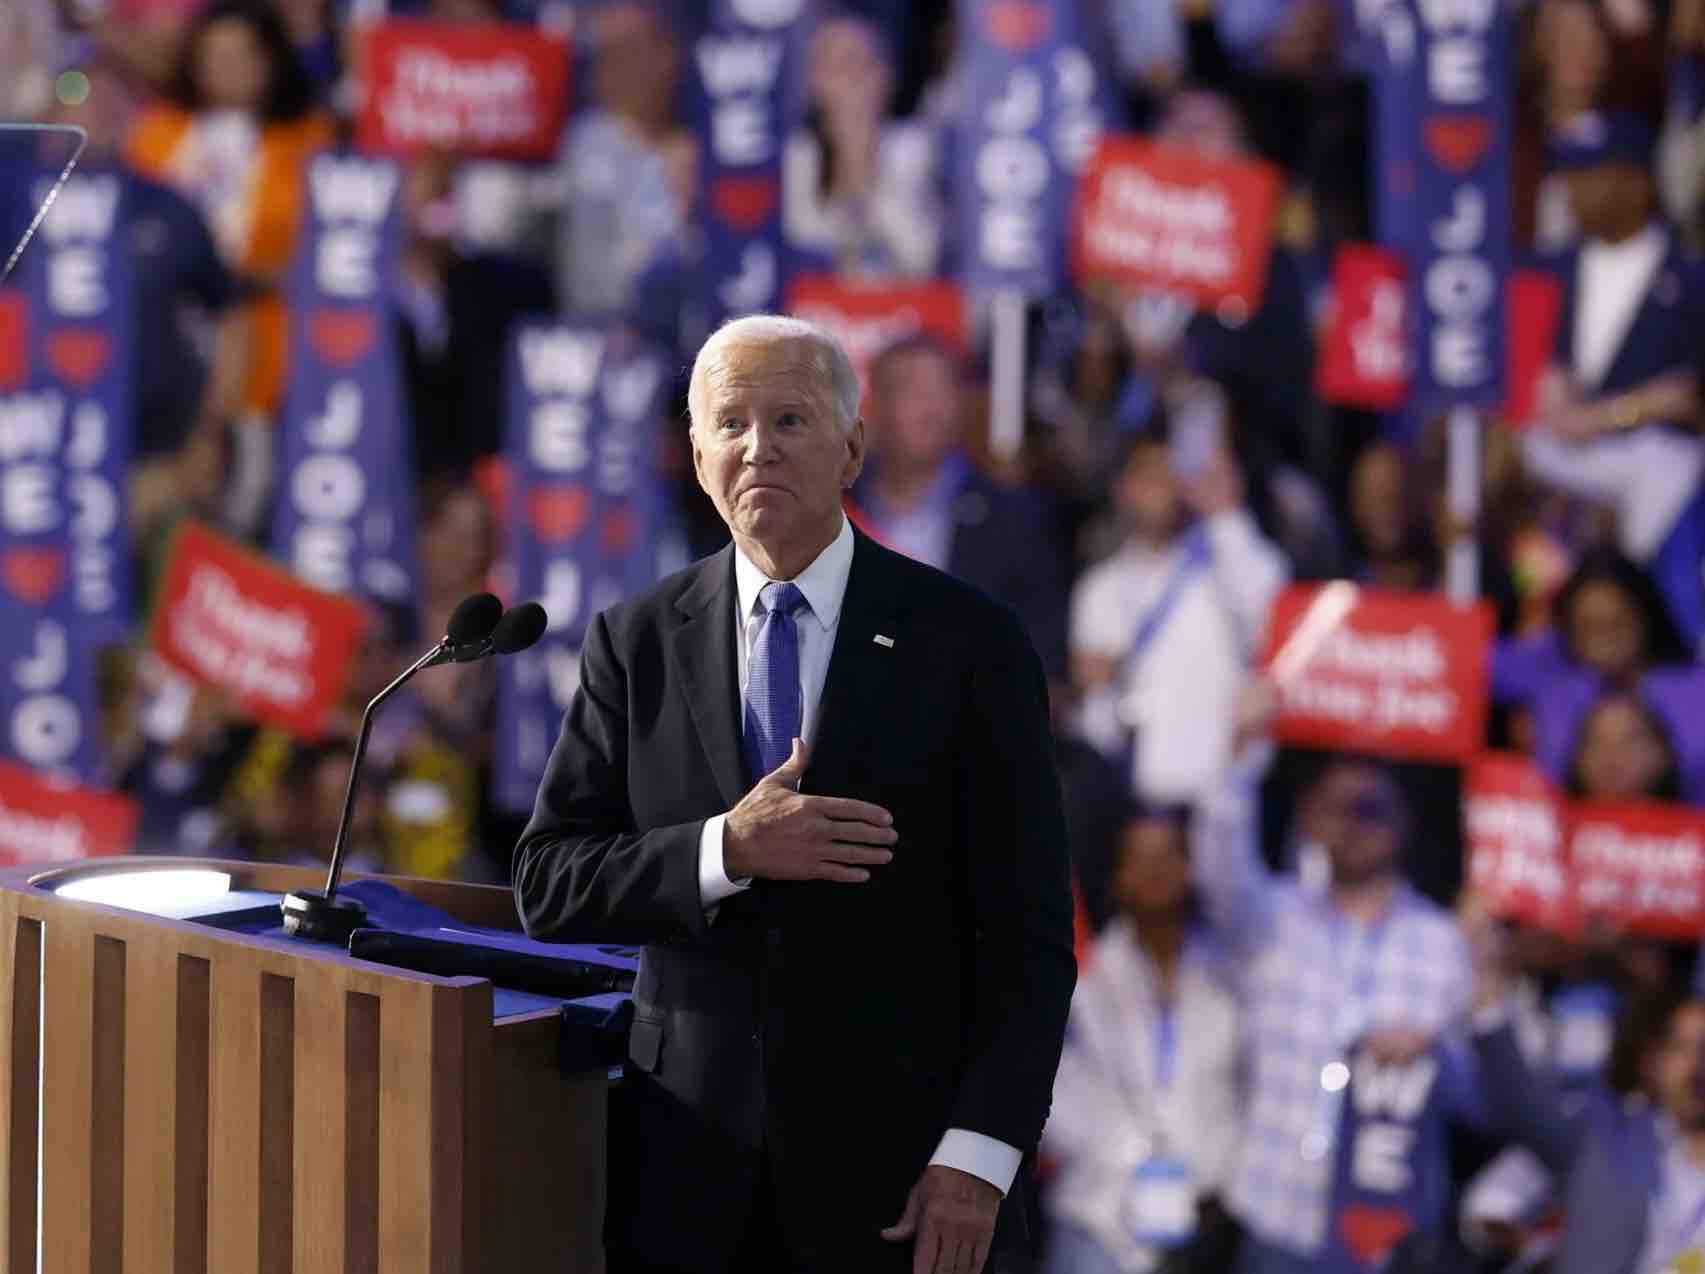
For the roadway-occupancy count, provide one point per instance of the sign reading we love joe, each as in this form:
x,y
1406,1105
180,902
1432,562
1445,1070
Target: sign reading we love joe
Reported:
x,y
230,619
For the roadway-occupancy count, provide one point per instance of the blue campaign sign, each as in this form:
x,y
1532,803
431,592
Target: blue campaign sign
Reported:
x,y
1036,101
745,65
1443,106
77,281
345,520
65,428
1391,1171
586,515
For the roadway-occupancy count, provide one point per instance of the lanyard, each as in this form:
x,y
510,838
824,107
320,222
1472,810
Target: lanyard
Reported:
x,y
1128,1021
1195,555
1354,1014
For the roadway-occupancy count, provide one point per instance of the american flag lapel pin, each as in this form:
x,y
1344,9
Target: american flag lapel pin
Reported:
x,y
882,639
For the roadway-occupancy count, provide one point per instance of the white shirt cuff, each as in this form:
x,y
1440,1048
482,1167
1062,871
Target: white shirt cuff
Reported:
x,y
714,884
994,1161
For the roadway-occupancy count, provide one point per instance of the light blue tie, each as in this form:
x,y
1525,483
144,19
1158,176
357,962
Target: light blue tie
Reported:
x,y
774,713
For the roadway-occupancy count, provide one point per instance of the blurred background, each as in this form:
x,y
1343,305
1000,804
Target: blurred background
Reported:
x,y
1169,312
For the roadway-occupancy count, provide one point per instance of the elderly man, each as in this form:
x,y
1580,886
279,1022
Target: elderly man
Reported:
x,y
813,777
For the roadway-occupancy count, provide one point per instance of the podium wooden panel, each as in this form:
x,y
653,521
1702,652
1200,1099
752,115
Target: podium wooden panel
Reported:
x,y
181,1099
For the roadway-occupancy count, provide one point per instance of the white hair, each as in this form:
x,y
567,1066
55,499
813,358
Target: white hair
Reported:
x,y
823,353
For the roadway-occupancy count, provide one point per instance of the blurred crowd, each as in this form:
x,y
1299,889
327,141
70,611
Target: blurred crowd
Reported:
x,y
1178,470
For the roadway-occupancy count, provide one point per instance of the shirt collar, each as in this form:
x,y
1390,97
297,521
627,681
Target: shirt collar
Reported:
x,y
1650,242
824,582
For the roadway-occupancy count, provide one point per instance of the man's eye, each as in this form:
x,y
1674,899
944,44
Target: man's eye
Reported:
x,y
790,420
729,425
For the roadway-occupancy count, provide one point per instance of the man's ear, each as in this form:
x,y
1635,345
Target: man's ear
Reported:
x,y
698,458
855,453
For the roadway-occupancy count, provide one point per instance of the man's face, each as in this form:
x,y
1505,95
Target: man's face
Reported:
x,y
1153,873
1359,819
1148,491
1610,199
1678,1068
919,404
768,448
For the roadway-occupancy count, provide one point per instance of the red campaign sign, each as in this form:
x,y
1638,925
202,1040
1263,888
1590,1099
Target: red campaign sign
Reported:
x,y
231,619
1514,836
1158,217
1363,359
868,319
14,340
1641,864
1400,674
1534,301
1363,349
496,89
44,821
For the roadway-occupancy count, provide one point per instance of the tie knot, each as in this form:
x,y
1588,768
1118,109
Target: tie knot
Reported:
x,y
783,597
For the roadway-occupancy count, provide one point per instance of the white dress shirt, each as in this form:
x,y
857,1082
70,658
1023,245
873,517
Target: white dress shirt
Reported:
x,y
1614,278
824,584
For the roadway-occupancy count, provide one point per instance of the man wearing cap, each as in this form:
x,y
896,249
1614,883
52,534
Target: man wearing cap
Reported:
x,y
814,778
1620,405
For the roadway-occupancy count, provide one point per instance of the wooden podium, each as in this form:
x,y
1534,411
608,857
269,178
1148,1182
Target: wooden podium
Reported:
x,y
203,1101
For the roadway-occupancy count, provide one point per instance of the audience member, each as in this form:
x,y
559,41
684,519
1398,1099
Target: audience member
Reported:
x,y
1632,1167
1364,960
1612,632
1147,1109
860,190
620,210
455,311
1162,632
233,138
1620,404
1625,754
921,496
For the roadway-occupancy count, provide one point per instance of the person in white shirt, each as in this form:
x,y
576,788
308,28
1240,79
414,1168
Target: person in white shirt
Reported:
x,y
1620,404
1163,631
860,189
1147,1112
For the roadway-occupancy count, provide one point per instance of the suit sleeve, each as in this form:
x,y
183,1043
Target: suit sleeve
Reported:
x,y
583,873
1018,861
1522,1104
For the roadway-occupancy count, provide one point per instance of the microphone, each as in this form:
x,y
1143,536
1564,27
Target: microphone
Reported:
x,y
519,628
470,627
474,630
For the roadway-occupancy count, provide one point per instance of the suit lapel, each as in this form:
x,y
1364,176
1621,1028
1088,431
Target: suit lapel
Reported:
x,y
1645,330
702,651
859,666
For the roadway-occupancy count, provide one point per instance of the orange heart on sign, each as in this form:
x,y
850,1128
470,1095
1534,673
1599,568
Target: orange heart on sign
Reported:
x,y
1016,25
79,354
1458,141
33,575
557,513
341,336
744,202
1372,1233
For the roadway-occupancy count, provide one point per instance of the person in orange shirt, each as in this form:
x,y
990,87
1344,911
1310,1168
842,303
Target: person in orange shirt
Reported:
x,y
233,136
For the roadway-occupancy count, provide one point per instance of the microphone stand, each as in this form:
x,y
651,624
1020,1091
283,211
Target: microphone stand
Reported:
x,y
323,916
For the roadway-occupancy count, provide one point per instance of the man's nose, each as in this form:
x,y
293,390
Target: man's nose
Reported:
x,y
760,443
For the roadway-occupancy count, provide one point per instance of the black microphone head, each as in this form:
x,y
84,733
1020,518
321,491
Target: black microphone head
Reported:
x,y
519,628
473,619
